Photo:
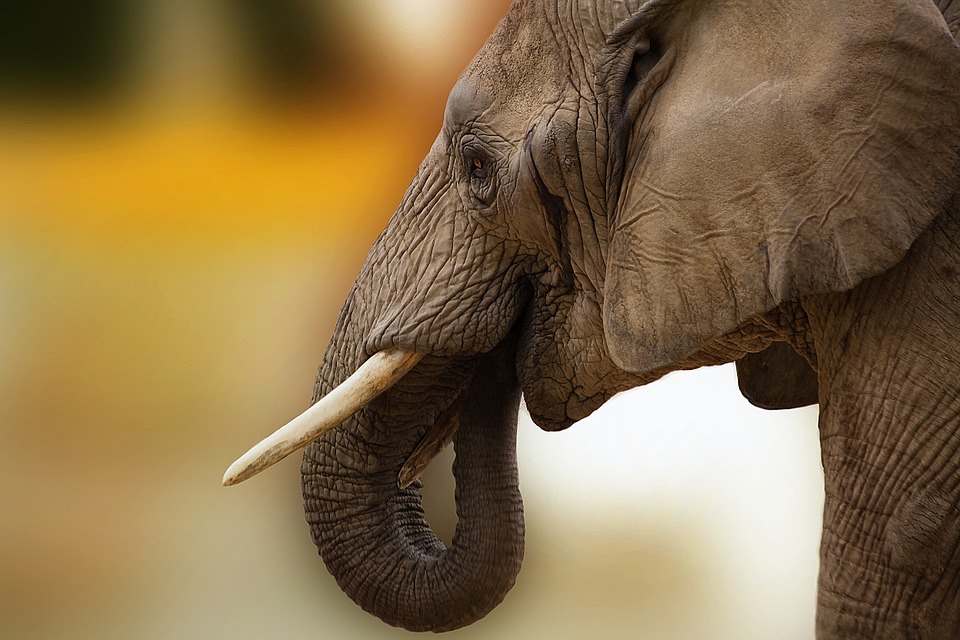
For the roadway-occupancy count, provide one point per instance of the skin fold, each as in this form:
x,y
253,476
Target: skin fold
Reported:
x,y
623,189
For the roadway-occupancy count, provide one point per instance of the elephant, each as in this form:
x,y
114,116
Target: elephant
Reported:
x,y
621,189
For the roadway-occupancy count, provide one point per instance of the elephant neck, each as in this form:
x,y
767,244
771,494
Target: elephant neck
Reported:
x,y
889,375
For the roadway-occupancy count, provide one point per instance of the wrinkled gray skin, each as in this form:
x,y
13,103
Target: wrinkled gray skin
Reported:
x,y
624,189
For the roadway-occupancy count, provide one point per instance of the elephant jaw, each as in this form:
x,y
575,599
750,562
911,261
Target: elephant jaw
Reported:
x,y
372,378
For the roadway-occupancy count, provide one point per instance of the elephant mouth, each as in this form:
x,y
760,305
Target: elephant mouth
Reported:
x,y
447,392
442,430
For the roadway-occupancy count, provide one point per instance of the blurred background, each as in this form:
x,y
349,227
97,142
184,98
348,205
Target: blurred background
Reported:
x,y
187,190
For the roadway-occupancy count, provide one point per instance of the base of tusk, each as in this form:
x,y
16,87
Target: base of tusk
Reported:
x,y
374,376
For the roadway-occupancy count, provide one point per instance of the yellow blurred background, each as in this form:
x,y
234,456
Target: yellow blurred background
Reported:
x,y
187,190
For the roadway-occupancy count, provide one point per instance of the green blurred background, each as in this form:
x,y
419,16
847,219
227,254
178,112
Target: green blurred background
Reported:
x,y
187,189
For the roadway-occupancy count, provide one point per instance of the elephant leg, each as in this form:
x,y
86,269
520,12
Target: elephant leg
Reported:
x,y
888,361
890,567
890,553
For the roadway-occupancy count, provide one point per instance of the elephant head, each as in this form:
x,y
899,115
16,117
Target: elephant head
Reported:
x,y
619,190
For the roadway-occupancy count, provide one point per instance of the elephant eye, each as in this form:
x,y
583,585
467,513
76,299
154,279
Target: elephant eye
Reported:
x,y
476,165
479,169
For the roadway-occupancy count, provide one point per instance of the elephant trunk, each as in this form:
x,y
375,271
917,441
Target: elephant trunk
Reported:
x,y
372,534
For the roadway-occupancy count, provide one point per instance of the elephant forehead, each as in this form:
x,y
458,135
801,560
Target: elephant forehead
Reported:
x,y
542,49
518,67
467,102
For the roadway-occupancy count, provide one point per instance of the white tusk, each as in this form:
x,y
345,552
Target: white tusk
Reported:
x,y
374,376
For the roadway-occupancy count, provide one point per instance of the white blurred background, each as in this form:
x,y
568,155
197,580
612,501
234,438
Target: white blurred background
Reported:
x,y
187,189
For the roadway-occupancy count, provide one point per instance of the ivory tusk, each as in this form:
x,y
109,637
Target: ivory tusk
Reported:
x,y
374,376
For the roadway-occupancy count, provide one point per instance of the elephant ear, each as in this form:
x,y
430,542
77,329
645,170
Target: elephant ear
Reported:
x,y
784,155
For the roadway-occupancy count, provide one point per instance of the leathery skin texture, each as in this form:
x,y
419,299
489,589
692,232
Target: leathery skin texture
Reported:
x,y
623,189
